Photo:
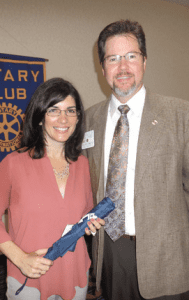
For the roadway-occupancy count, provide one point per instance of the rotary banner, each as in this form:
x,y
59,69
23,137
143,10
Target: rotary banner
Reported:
x,y
19,78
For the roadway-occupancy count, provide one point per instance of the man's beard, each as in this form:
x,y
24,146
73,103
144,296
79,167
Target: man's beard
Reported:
x,y
123,93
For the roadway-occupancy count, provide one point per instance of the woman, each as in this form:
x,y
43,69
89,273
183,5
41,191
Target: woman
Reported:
x,y
46,185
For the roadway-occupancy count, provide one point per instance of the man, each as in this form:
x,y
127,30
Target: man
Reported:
x,y
149,257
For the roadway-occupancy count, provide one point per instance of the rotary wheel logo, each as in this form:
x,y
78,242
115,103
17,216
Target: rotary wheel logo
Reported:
x,y
10,121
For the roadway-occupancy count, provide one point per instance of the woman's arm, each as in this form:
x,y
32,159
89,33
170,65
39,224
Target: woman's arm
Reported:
x,y
32,265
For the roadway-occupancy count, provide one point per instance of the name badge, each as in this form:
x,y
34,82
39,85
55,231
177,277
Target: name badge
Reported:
x,y
88,141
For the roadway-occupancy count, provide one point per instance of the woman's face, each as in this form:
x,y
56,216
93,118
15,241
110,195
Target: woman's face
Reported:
x,y
58,129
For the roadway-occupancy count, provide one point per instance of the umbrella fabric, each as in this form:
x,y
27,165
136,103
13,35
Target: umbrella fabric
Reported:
x,y
68,241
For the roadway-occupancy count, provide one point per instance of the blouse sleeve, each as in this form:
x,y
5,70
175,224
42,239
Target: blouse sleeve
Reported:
x,y
5,189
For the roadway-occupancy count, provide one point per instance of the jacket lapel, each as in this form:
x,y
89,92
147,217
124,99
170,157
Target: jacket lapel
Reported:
x,y
151,128
99,127
98,124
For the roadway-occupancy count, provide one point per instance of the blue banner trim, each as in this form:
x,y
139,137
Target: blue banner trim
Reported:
x,y
19,57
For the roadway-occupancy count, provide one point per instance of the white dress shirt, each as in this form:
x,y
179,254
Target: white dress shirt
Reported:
x,y
136,104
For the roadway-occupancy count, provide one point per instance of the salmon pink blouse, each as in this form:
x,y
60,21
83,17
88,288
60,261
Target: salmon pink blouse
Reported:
x,y
38,216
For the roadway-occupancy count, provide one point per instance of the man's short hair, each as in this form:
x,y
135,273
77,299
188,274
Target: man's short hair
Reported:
x,y
122,27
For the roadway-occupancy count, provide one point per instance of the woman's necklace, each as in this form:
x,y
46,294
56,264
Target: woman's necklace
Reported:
x,y
62,174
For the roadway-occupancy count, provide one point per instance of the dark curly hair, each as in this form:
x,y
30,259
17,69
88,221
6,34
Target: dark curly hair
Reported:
x,y
46,95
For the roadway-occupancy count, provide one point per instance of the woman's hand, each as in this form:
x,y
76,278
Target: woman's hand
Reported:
x,y
33,264
94,225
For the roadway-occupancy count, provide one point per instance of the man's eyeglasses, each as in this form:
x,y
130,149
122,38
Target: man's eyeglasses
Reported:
x,y
55,112
131,57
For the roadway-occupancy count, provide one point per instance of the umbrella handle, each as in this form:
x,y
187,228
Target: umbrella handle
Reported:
x,y
21,288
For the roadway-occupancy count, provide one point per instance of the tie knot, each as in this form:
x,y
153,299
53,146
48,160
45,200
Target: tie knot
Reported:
x,y
123,109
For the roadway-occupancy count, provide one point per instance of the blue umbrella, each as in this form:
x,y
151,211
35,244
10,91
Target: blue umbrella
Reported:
x,y
68,241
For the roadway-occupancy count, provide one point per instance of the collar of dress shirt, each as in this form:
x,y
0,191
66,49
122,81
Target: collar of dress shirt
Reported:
x,y
136,103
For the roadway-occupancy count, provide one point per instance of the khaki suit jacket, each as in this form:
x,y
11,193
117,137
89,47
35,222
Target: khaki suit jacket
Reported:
x,y
161,200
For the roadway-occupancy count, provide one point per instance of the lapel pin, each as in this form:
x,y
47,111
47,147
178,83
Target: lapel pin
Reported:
x,y
154,122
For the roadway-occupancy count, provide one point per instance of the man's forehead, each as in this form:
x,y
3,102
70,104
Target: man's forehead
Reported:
x,y
114,41
126,35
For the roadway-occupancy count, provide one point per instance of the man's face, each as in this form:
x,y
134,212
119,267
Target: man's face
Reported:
x,y
125,78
